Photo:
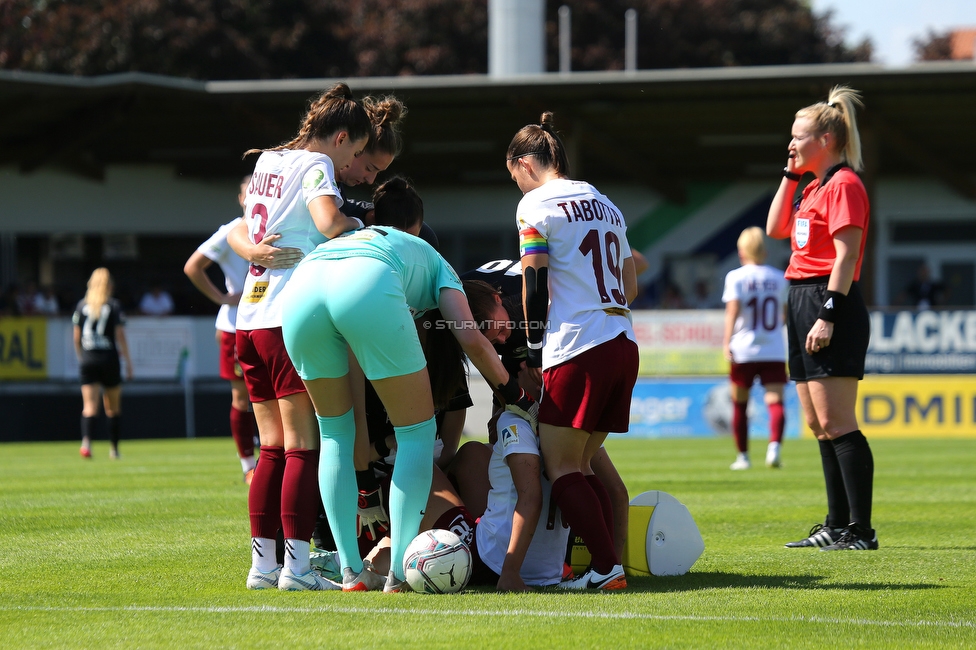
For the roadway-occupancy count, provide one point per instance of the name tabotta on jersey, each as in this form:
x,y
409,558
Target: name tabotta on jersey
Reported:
x,y
590,210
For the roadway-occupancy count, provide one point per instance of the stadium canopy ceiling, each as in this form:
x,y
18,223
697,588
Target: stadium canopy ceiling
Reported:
x,y
659,128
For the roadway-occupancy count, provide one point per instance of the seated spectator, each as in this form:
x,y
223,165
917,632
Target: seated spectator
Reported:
x,y
9,305
923,292
156,302
672,298
703,298
46,302
25,299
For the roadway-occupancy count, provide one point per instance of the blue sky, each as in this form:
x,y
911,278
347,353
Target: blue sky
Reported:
x,y
892,24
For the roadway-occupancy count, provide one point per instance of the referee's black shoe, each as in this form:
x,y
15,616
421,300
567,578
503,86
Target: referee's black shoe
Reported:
x,y
855,538
821,535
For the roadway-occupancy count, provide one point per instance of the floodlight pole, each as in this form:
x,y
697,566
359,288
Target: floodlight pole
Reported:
x,y
630,40
565,42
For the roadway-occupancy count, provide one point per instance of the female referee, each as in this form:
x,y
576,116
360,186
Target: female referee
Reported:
x,y
828,324
293,202
578,277
379,278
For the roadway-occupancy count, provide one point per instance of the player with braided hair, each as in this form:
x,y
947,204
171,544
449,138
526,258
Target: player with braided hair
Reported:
x,y
292,203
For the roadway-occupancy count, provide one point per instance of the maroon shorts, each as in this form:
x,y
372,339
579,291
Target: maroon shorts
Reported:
x,y
268,372
230,369
769,372
592,390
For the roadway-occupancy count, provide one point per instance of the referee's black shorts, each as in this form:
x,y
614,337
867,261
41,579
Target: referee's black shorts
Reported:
x,y
845,355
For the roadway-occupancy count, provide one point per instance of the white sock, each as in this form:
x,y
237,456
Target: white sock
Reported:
x,y
772,446
742,456
263,551
296,556
249,463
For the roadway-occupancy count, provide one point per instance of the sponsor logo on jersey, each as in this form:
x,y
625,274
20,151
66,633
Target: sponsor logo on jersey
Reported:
x,y
312,179
802,232
509,436
257,292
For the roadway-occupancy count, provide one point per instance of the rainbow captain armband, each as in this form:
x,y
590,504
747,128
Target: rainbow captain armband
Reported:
x,y
532,243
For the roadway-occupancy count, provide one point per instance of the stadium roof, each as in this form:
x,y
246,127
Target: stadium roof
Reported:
x,y
660,128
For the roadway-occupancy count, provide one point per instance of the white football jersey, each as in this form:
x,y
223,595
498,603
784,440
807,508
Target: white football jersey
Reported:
x,y
585,237
543,563
234,267
277,198
758,332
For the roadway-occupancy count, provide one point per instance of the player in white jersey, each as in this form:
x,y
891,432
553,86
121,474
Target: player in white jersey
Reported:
x,y
292,204
234,267
755,302
503,278
505,540
579,277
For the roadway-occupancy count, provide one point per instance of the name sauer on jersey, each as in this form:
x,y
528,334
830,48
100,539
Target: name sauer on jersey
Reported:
x,y
590,210
265,184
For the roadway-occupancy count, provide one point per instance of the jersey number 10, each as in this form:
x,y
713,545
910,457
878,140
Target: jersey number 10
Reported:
x,y
765,314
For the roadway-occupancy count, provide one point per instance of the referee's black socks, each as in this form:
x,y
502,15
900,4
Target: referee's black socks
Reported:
x,y
838,505
857,467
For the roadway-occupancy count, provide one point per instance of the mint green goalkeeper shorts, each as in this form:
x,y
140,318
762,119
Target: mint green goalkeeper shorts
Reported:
x,y
355,301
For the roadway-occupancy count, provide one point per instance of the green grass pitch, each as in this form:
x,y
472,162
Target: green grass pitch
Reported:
x,y
152,551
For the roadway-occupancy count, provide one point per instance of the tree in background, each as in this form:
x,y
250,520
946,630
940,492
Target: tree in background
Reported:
x,y
934,46
950,45
245,39
251,39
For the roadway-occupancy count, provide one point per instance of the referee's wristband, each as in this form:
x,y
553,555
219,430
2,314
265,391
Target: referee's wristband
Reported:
x,y
833,302
793,176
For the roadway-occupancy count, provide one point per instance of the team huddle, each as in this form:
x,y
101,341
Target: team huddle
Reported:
x,y
351,338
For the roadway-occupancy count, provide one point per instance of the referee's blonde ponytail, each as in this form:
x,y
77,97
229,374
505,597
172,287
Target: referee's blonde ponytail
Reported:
x,y
836,116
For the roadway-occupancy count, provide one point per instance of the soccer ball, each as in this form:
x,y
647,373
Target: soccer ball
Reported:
x,y
437,562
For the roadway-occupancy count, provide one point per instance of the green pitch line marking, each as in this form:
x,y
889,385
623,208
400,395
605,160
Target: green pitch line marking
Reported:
x,y
273,609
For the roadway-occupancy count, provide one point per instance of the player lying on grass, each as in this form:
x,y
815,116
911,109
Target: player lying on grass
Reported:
x,y
502,281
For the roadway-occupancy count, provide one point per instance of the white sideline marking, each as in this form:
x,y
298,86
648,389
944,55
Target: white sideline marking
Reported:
x,y
271,609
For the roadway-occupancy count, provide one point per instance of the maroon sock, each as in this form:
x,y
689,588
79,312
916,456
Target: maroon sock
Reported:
x,y
740,426
777,420
460,522
264,497
601,493
299,493
582,511
242,428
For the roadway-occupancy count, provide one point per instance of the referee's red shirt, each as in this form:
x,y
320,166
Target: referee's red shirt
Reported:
x,y
823,211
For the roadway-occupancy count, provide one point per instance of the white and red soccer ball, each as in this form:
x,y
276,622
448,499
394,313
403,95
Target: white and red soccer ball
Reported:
x,y
437,562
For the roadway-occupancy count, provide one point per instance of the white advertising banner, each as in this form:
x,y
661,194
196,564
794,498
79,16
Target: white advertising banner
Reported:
x,y
680,342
